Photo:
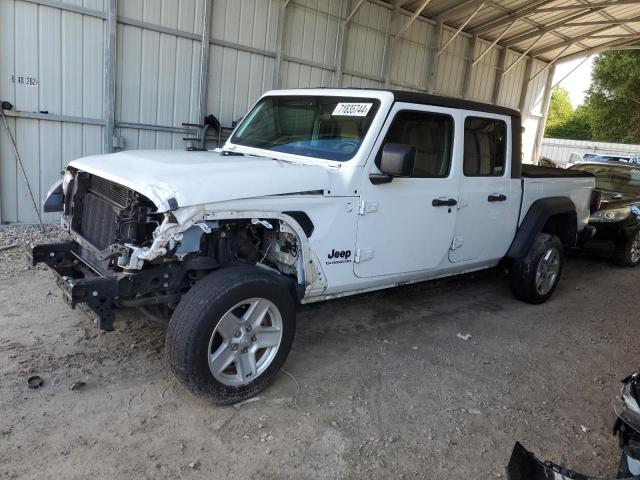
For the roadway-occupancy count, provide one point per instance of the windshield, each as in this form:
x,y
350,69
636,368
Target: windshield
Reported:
x,y
614,178
330,128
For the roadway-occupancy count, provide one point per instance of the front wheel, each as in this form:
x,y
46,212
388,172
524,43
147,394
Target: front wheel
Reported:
x,y
231,333
629,255
535,277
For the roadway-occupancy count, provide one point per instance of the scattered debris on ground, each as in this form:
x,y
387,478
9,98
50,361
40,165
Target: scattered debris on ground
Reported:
x,y
356,400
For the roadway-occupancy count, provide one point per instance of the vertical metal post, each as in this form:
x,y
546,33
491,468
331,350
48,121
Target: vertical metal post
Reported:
x,y
388,46
546,101
468,65
341,44
497,83
280,42
109,77
432,64
203,74
525,87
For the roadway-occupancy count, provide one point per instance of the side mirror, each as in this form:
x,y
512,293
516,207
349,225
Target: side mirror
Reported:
x,y
397,160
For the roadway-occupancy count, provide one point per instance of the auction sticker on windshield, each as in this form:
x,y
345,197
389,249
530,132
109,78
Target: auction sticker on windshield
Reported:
x,y
352,109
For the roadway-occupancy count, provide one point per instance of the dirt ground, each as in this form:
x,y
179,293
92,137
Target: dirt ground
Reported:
x,y
378,386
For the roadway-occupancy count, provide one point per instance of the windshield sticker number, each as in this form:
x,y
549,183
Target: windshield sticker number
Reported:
x,y
352,109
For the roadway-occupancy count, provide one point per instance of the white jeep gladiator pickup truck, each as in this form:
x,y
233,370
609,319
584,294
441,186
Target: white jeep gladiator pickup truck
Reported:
x,y
317,194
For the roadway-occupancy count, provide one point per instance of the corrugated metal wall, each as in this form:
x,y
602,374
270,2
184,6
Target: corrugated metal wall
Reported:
x,y
560,150
52,60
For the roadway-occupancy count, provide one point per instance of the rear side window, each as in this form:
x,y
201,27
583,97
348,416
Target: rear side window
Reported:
x,y
485,147
432,136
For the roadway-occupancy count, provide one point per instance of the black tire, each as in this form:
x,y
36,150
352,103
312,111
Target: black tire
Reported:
x,y
628,255
197,315
523,271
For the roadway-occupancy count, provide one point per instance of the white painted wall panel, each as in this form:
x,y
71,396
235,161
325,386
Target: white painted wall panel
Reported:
x,y
63,52
482,76
157,71
410,55
451,64
366,42
511,87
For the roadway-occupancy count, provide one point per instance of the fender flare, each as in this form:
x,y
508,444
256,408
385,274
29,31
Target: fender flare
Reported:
x,y
539,212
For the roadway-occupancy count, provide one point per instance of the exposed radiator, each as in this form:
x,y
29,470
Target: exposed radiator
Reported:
x,y
98,221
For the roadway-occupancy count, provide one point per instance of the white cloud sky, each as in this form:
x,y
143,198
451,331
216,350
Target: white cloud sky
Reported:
x,y
577,82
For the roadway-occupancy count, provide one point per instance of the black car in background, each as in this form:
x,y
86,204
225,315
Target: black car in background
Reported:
x,y
617,220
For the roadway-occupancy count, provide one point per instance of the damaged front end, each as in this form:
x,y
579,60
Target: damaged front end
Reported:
x,y
125,253
523,465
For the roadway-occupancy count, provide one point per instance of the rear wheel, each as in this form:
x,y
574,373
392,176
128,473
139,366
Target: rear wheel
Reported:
x,y
629,256
535,277
231,333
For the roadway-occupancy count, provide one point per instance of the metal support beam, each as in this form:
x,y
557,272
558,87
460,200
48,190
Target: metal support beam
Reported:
x,y
49,117
388,46
203,74
497,82
415,15
536,32
570,72
508,18
448,13
354,11
525,87
461,28
590,5
280,42
498,38
341,44
68,7
522,55
109,77
545,113
433,62
600,48
550,64
569,41
468,59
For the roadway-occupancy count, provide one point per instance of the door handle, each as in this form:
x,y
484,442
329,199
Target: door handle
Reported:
x,y
444,202
497,198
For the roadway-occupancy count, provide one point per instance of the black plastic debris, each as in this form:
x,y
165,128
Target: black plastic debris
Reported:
x,y
35,381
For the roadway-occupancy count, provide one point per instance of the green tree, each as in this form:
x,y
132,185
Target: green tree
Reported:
x,y
565,122
613,99
560,109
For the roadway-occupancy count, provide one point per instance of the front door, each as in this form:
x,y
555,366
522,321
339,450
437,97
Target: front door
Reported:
x,y
407,225
489,197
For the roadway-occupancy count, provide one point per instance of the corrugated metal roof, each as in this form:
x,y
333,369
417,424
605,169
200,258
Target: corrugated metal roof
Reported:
x,y
559,28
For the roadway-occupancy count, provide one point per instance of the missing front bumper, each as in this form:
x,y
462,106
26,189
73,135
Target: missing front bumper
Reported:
x,y
80,284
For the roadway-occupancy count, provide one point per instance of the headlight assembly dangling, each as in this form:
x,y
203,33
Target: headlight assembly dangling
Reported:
x,y
612,215
66,179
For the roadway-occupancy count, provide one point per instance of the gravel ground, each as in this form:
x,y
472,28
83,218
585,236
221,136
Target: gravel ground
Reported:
x,y
377,386
15,238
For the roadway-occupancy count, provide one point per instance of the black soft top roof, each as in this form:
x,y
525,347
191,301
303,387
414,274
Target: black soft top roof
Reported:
x,y
449,102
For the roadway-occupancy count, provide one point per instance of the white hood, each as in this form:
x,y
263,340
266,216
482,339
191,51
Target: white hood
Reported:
x,y
195,178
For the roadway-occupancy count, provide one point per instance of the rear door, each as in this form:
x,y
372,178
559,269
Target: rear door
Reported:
x,y
489,197
400,229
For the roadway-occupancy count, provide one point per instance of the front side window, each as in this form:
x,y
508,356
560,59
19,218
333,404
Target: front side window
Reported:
x,y
330,128
485,147
432,136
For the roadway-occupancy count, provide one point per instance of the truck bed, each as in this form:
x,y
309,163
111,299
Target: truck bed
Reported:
x,y
543,182
536,171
